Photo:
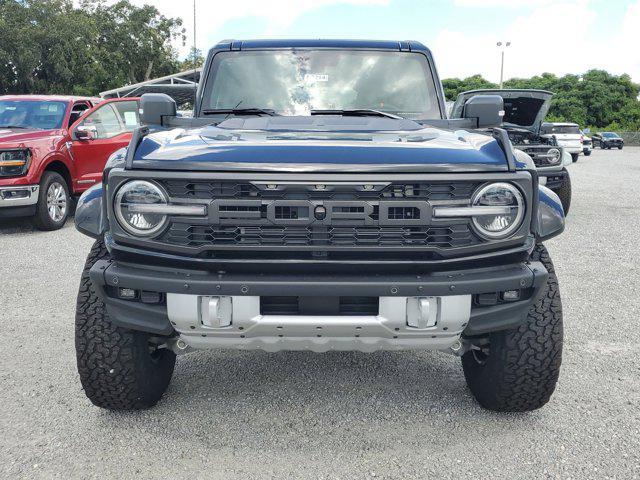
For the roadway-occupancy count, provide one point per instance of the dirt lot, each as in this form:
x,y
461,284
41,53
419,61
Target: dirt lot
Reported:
x,y
341,415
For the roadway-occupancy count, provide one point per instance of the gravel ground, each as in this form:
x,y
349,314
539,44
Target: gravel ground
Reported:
x,y
340,415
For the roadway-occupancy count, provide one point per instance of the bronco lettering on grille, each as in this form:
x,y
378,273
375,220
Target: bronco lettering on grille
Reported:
x,y
335,213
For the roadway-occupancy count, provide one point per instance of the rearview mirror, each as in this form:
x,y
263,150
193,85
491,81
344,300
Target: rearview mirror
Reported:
x,y
488,110
154,107
85,132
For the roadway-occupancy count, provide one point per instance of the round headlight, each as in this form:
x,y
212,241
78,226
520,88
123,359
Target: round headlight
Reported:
x,y
509,218
133,206
554,156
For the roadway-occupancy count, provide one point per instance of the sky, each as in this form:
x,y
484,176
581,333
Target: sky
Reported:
x,y
566,36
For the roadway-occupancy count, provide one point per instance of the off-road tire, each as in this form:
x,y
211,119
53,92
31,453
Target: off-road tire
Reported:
x,y
564,192
574,157
521,370
117,369
42,220
620,147
587,153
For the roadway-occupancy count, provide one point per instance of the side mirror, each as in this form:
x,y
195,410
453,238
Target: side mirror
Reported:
x,y
488,110
154,107
85,132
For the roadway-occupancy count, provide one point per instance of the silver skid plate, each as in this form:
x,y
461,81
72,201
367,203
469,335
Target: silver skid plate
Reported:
x,y
432,323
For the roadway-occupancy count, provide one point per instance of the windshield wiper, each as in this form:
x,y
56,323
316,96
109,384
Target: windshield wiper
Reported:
x,y
358,112
240,111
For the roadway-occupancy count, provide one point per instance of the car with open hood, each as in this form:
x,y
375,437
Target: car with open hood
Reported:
x,y
319,199
524,113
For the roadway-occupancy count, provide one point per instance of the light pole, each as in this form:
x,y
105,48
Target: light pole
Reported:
x,y
502,48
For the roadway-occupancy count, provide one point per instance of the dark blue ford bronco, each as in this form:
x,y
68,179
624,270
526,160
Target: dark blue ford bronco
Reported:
x,y
319,199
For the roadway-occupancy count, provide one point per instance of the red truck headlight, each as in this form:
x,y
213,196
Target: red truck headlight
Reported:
x,y
14,163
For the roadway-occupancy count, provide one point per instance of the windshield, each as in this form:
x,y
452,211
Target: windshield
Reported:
x,y
294,82
562,129
610,135
44,115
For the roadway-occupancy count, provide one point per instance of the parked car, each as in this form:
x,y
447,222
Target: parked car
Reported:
x,y
587,144
325,204
608,140
567,135
524,112
55,147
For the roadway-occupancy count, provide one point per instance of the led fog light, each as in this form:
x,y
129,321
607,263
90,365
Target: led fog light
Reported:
x,y
127,293
511,295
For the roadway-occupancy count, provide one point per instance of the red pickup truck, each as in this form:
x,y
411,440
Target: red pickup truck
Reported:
x,y
53,148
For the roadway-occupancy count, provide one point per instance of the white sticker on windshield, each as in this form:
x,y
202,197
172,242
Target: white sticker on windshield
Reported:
x,y
316,77
130,119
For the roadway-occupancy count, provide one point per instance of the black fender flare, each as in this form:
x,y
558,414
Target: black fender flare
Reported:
x,y
90,219
551,218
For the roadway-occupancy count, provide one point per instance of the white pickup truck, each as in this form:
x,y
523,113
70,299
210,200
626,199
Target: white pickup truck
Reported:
x,y
566,135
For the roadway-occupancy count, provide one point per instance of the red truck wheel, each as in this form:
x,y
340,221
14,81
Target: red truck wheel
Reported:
x,y
53,202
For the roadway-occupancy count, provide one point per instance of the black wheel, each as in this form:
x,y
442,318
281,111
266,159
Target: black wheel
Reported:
x,y
517,370
119,369
564,192
620,147
587,153
603,146
574,157
54,203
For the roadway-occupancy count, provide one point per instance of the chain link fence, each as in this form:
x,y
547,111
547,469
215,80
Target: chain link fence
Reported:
x,y
630,138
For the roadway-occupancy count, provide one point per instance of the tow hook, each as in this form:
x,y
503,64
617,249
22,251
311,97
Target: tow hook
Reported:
x,y
460,347
179,346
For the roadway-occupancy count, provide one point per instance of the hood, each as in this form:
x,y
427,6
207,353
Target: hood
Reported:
x,y
522,108
23,134
319,144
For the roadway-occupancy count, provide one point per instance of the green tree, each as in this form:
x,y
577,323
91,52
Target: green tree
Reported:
x,y
52,46
194,60
597,98
132,44
42,46
454,86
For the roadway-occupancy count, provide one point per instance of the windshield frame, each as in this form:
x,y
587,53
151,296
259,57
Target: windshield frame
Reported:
x,y
208,73
61,121
548,129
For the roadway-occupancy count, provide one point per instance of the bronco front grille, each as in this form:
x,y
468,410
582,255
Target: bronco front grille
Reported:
x,y
324,218
451,236
284,214
315,215
539,154
253,190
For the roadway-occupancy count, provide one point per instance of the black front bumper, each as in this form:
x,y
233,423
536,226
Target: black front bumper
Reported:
x,y
109,276
554,179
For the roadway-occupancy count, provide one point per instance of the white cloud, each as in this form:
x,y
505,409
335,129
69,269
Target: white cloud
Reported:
x,y
211,15
552,38
546,35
